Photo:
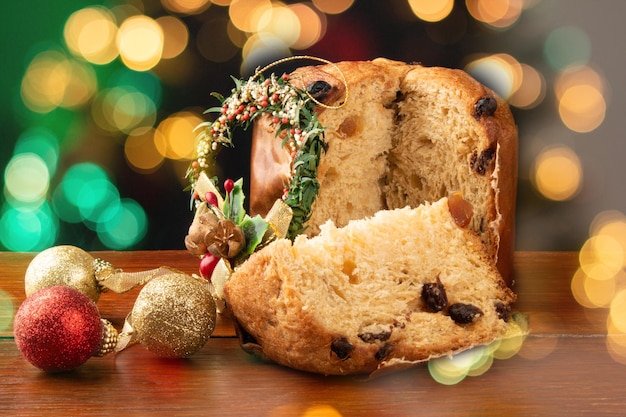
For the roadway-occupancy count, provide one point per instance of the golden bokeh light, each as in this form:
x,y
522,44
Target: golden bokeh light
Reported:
x,y
582,108
280,21
140,42
52,80
578,75
600,292
601,257
616,337
581,97
82,85
600,281
141,152
43,85
611,223
557,173
333,6
175,36
236,36
246,14
501,72
578,288
175,137
312,25
431,10
186,6
617,313
124,110
531,91
496,13
26,178
90,33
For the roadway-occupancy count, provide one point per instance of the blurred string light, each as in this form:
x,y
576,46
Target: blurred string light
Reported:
x,y
140,42
520,84
52,80
87,195
581,96
186,6
600,280
130,101
498,14
26,220
333,6
557,173
90,33
450,370
431,10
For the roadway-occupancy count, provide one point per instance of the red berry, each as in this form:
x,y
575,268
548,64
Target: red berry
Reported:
x,y
252,109
285,76
276,97
229,185
285,120
263,103
275,120
207,265
211,198
245,116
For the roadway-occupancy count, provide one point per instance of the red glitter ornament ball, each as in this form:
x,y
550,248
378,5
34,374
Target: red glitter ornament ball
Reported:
x,y
58,328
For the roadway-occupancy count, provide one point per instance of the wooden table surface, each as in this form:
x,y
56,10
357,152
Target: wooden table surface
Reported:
x,y
562,369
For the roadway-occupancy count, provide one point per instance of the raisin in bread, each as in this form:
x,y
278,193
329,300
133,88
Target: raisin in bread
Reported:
x,y
399,288
406,134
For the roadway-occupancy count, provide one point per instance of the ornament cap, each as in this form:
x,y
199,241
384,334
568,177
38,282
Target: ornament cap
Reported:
x,y
109,340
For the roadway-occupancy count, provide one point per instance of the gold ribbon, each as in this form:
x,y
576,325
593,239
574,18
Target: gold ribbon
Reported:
x,y
128,336
279,218
118,281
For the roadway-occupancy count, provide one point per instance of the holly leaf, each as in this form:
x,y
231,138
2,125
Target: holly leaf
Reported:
x,y
254,229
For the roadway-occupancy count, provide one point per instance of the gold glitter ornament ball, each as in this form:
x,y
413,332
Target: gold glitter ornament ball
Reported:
x,y
62,265
174,315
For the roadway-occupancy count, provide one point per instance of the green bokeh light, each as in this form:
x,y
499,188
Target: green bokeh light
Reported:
x,y
566,46
126,225
41,142
79,176
145,83
93,200
27,228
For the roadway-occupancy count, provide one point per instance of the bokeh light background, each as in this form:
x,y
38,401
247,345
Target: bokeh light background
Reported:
x,y
99,100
